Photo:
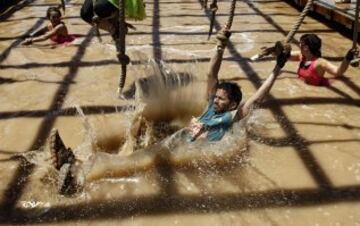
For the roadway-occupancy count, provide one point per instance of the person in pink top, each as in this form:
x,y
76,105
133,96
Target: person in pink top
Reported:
x,y
312,67
56,30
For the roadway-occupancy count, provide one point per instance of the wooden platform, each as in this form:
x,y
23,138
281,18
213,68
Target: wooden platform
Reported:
x,y
342,13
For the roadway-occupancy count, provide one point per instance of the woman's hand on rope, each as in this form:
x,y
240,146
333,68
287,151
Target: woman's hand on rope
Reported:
x,y
352,54
352,57
283,54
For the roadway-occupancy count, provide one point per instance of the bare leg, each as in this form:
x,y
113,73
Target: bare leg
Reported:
x,y
100,165
105,165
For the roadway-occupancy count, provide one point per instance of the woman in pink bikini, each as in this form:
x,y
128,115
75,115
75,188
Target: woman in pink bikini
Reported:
x,y
56,30
313,67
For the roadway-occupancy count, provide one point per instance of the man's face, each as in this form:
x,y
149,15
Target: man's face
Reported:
x,y
221,101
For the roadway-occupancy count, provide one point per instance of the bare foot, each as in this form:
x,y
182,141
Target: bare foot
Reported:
x,y
60,155
71,179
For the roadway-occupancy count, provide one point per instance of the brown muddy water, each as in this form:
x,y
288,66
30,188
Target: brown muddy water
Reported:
x,y
294,161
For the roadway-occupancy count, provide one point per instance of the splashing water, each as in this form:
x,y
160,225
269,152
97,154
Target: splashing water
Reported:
x,y
165,101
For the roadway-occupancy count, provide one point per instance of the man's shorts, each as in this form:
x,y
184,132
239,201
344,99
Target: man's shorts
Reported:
x,y
102,8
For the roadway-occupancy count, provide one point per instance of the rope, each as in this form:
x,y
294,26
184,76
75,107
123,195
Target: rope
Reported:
x,y
231,14
120,46
223,36
268,50
204,4
355,62
213,9
63,5
356,24
300,20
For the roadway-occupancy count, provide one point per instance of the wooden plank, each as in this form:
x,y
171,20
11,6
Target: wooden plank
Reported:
x,y
343,19
323,10
342,13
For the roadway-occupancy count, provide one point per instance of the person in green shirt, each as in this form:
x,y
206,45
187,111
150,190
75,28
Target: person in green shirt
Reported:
x,y
105,13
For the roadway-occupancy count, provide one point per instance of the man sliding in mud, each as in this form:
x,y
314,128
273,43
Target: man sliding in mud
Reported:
x,y
223,110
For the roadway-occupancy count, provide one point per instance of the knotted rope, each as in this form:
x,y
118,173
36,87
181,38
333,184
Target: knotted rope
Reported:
x,y
268,50
120,46
223,36
214,8
300,20
231,14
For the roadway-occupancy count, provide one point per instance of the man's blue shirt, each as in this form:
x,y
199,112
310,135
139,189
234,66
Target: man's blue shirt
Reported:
x,y
216,123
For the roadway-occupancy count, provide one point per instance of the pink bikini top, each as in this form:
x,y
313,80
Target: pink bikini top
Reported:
x,y
308,74
60,38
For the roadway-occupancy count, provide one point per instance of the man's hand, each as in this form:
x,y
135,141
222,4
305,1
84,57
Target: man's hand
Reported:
x,y
223,37
196,128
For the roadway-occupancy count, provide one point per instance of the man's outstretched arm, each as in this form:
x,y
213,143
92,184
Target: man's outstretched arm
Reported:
x,y
215,62
264,89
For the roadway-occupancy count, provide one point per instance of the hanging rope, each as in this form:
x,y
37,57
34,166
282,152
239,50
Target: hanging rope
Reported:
x,y
223,37
268,50
63,5
356,24
355,62
213,9
120,46
204,4
300,20
231,14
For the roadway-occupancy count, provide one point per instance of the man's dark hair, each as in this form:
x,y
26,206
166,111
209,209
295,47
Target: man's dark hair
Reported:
x,y
52,9
233,91
313,42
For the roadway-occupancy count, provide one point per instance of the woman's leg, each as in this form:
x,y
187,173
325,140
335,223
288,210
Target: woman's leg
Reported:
x,y
73,172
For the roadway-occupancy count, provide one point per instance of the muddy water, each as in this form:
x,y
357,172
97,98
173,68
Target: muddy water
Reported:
x,y
297,164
